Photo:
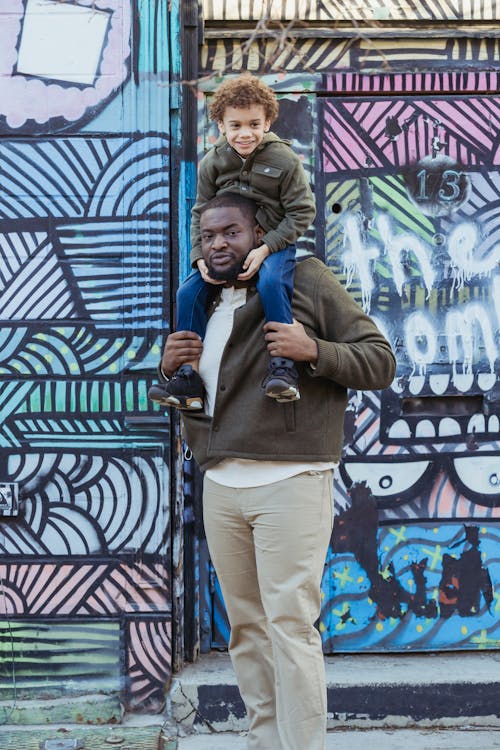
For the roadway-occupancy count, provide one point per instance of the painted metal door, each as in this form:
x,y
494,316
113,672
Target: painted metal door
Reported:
x,y
412,203
407,180
85,157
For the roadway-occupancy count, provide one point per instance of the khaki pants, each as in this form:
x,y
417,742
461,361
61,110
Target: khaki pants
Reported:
x,y
268,545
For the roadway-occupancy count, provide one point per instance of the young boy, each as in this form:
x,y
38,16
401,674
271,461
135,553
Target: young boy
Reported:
x,y
250,160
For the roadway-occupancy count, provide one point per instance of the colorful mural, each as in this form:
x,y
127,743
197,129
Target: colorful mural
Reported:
x,y
411,217
403,150
399,133
85,277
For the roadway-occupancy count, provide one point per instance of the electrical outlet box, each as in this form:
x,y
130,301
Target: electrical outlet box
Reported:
x,y
9,499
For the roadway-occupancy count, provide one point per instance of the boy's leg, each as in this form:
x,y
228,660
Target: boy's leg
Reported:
x,y
191,302
185,389
275,287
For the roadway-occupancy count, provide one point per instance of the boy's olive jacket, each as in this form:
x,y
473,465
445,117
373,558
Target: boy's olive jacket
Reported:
x,y
272,176
352,353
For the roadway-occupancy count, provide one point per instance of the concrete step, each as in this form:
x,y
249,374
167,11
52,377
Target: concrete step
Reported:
x,y
40,737
409,739
392,691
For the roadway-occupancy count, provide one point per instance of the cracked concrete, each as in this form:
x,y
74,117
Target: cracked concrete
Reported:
x,y
392,691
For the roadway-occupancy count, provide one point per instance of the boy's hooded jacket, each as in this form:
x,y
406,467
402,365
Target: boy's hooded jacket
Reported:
x,y
272,176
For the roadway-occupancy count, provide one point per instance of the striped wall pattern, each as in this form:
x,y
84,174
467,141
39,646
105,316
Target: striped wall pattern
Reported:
x,y
339,10
274,53
48,649
84,303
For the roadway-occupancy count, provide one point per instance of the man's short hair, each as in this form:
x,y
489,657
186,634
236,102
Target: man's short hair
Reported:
x,y
247,206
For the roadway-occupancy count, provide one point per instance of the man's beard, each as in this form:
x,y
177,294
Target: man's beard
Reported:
x,y
228,274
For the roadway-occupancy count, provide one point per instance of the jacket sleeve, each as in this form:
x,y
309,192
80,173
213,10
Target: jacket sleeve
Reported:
x,y
206,189
297,200
351,349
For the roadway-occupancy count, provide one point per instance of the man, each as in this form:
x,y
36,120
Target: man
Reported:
x,y
267,498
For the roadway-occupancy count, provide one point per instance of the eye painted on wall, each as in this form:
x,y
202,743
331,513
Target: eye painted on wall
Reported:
x,y
390,481
478,478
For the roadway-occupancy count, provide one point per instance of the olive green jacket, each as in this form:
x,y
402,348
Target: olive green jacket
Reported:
x,y
272,176
247,423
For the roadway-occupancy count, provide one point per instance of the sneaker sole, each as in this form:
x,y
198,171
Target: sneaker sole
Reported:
x,y
284,394
281,400
188,404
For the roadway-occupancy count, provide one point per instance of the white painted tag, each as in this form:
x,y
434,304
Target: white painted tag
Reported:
x,y
62,41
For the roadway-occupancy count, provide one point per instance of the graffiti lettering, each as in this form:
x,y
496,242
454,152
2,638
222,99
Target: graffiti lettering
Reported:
x,y
462,242
460,326
462,246
358,258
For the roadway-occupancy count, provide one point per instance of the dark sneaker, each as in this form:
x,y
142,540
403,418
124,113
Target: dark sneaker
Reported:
x,y
281,380
184,390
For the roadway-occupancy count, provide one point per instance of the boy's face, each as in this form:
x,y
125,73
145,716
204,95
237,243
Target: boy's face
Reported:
x,y
244,128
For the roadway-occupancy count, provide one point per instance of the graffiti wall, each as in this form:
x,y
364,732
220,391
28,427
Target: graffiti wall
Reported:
x,y
85,160
411,217
401,137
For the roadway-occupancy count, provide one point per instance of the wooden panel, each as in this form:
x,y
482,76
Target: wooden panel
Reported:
x,y
340,10
93,738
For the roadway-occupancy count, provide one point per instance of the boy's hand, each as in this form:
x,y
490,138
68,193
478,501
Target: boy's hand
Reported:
x,y
253,262
202,268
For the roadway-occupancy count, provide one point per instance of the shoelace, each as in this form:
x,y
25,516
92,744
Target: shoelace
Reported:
x,y
280,368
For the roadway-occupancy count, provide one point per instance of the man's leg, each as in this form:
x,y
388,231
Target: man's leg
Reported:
x,y
292,523
230,541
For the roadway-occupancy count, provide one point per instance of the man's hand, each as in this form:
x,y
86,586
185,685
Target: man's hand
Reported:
x,y
202,268
290,340
253,262
181,348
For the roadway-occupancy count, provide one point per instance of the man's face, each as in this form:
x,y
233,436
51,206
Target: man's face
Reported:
x,y
227,236
244,128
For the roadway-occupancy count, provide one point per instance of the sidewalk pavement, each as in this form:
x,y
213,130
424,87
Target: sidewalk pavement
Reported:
x,y
385,739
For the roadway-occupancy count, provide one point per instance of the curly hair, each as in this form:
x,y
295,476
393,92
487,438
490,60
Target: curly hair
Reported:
x,y
243,92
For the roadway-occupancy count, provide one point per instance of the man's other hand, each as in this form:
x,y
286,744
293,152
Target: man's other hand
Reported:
x,y
290,340
181,348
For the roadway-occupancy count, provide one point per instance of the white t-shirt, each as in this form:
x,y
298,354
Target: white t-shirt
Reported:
x,y
239,472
